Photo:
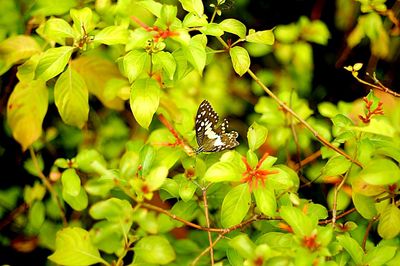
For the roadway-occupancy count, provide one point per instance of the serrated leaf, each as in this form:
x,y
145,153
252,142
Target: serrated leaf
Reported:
x,y
154,250
261,37
26,109
233,26
71,182
112,35
235,206
167,62
195,6
352,247
380,172
389,221
256,136
74,247
145,97
134,63
72,98
53,62
240,59
265,200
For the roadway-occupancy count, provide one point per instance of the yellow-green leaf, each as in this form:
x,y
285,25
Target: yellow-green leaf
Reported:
x,y
389,221
17,48
112,35
235,205
240,59
74,247
195,6
26,109
53,62
233,26
262,37
72,98
145,97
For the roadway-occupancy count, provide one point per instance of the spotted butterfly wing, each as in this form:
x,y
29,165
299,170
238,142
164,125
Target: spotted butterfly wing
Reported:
x,y
208,136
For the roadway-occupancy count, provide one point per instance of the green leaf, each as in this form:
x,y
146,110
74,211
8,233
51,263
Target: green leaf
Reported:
x,y
301,224
152,6
328,109
192,20
364,205
128,165
15,49
261,37
212,29
389,221
240,59
145,97
56,29
71,182
186,189
74,247
107,236
26,109
256,136
112,35
233,26
134,63
195,6
352,247
195,53
335,166
167,62
113,210
53,62
186,210
83,20
235,205
37,213
222,171
91,161
265,200
154,250
156,177
243,245
315,31
380,172
79,202
72,98
379,255
342,199
168,14
100,186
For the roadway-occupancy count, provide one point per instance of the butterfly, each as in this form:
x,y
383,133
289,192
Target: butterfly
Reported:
x,y
208,136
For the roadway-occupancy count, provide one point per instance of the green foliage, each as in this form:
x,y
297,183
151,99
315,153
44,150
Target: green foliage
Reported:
x,y
104,183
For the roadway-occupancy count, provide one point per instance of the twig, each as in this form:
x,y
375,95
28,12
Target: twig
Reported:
x,y
380,86
47,184
179,141
308,159
208,224
370,223
15,213
196,260
324,222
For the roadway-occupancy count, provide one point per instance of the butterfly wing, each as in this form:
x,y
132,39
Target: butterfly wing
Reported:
x,y
206,119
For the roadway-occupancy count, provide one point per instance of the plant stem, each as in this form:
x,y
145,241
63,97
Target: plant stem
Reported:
x,y
208,224
48,185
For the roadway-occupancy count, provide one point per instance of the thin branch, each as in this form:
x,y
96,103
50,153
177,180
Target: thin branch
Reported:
x,y
196,260
301,120
208,224
179,140
370,223
324,222
308,159
380,86
47,184
13,215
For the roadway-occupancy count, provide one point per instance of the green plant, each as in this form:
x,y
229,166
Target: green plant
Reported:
x,y
123,183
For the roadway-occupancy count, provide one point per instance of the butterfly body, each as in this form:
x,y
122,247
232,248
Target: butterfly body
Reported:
x,y
211,138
